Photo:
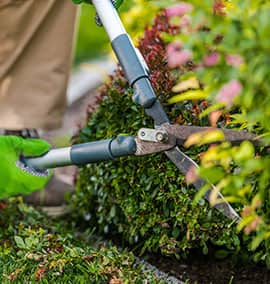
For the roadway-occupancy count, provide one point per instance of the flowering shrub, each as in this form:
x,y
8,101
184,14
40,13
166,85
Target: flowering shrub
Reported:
x,y
145,200
227,43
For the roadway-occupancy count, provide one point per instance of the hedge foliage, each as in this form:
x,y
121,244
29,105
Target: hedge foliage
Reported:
x,y
145,200
34,249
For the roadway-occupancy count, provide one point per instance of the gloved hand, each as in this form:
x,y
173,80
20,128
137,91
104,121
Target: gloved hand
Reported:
x,y
116,3
15,177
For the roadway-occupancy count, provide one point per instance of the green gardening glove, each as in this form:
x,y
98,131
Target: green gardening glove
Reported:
x,y
15,176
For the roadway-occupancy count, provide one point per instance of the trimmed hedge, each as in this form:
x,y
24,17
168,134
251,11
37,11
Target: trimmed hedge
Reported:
x,y
145,200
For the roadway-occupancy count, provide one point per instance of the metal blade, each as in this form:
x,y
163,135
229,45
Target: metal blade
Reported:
x,y
184,164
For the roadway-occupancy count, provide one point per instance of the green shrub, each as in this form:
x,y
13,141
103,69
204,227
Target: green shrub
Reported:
x,y
145,200
34,249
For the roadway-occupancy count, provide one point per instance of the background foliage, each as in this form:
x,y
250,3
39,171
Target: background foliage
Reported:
x,y
228,45
91,40
209,67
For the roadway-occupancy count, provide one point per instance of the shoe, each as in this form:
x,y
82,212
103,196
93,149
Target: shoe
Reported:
x,y
52,199
24,133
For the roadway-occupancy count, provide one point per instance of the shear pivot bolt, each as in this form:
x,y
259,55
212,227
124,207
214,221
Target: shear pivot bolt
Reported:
x,y
161,137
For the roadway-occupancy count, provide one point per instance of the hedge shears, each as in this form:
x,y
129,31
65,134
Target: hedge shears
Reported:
x,y
163,137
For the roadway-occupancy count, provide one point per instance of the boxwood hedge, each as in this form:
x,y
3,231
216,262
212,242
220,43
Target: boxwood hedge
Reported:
x,y
145,201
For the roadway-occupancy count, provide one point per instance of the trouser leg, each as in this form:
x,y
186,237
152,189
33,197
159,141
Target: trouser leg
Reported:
x,y
36,41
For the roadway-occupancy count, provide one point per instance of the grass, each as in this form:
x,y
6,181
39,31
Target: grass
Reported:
x,y
36,249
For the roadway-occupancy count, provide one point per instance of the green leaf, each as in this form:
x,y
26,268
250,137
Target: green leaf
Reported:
x,y
221,254
176,232
213,175
258,239
205,249
210,109
244,152
200,194
19,242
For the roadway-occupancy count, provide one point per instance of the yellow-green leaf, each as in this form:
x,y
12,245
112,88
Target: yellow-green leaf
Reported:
x,y
217,106
245,221
205,137
189,95
191,83
258,239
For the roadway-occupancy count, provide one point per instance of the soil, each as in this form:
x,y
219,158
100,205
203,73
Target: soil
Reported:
x,y
201,269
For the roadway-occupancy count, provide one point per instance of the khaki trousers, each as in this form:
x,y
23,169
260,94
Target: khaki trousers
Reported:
x,y
36,40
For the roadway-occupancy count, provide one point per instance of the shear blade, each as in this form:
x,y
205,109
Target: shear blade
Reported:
x,y
184,164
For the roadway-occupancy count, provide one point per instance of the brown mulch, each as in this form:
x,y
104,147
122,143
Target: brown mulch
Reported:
x,y
202,269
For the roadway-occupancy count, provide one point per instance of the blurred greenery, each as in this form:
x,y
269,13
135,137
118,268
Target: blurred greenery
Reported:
x,y
92,40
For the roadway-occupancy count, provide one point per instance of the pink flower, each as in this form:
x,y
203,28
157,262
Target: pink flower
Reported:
x,y
191,175
234,60
214,117
177,56
228,92
185,21
179,9
211,59
219,8
173,47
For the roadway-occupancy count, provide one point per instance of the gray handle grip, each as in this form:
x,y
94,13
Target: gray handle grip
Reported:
x,y
82,154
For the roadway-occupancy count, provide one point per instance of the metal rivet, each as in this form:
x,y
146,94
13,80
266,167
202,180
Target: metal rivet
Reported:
x,y
161,137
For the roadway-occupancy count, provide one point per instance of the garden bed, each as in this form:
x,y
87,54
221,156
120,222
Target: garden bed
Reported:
x,y
36,249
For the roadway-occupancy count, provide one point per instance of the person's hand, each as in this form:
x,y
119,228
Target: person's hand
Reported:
x,y
15,177
116,3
